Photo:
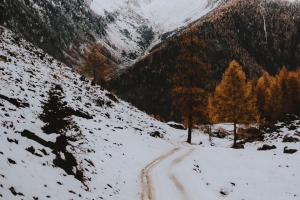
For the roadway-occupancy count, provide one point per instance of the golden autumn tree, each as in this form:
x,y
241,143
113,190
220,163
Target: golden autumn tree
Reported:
x,y
95,65
261,94
292,92
232,100
275,101
189,79
282,77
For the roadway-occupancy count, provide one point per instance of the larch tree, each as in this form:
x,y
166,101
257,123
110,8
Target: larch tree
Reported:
x,y
283,81
292,92
261,93
275,101
94,65
232,100
189,79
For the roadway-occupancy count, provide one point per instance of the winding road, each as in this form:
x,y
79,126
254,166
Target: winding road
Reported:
x,y
159,179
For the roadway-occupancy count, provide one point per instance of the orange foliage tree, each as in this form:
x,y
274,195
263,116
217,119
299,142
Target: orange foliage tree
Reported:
x,y
232,100
95,65
262,94
188,81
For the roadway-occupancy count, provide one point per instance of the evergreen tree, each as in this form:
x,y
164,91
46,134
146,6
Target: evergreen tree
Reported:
x,y
232,100
189,79
54,113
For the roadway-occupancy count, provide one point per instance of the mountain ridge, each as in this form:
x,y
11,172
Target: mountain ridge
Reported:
x,y
125,28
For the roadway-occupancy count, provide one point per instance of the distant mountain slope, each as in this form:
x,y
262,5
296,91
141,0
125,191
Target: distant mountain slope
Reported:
x,y
125,28
260,37
112,132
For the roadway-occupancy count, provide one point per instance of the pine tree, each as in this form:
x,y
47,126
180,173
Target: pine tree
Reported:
x,y
189,79
54,113
232,100
94,65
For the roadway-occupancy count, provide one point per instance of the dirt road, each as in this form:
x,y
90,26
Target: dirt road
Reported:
x,y
159,178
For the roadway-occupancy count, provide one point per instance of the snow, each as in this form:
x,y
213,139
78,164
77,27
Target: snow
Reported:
x,y
119,146
204,170
164,15
118,156
160,16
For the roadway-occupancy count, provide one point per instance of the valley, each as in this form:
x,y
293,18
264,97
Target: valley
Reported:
x,y
193,99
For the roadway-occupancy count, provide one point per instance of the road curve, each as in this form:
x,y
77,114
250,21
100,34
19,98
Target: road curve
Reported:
x,y
145,176
164,164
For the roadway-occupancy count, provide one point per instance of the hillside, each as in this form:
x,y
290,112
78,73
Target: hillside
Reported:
x,y
112,132
122,153
126,28
260,37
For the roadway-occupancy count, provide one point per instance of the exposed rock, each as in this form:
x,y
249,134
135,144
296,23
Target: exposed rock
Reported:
x,y
266,147
177,126
289,151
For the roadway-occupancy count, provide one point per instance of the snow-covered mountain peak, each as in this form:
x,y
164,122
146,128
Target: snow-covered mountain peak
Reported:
x,y
137,25
167,15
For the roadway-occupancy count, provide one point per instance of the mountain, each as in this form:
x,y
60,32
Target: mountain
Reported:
x,y
126,28
115,137
259,36
113,151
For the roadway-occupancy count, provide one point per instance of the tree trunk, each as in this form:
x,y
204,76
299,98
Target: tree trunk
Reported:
x,y
190,126
234,135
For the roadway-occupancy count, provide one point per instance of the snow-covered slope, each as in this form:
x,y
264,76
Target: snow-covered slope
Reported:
x,y
116,144
160,16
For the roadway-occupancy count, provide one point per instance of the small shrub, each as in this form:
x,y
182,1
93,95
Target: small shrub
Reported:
x,y
156,134
112,97
290,139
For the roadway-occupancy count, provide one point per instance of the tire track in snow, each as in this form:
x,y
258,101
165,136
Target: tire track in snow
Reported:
x,y
173,177
146,180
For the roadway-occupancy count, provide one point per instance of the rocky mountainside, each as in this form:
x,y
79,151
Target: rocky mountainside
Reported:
x,y
126,28
108,137
259,36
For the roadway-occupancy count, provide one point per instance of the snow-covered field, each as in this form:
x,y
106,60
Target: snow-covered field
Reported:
x,y
119,158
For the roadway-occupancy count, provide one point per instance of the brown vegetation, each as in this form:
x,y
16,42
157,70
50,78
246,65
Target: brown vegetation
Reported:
x,y
233,100
189,80
96,66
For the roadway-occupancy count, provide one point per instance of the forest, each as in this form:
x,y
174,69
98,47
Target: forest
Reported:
x,y
261,37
